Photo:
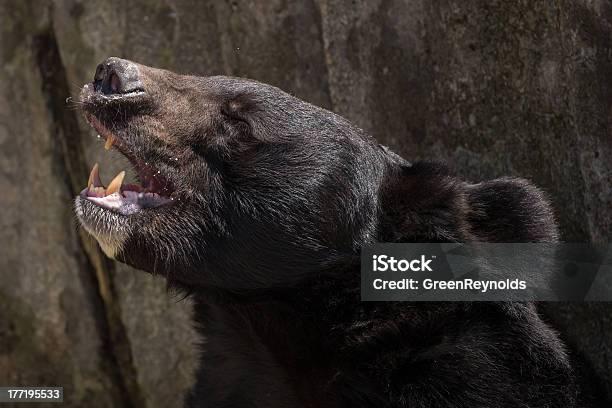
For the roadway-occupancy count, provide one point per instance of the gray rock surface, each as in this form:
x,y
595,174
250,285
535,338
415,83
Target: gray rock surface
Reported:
x,y
51,325
492,87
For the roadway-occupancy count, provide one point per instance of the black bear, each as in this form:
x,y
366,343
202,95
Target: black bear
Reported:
x,y
257,204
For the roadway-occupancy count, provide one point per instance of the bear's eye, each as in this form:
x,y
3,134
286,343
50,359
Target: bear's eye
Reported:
x,y
242,127
215,143
238,126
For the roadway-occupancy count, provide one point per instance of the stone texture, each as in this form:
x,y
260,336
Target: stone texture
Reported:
x,y
51,329
492,87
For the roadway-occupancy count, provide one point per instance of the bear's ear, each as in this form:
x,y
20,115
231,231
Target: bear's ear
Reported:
x,y
421,202
510,210
424,202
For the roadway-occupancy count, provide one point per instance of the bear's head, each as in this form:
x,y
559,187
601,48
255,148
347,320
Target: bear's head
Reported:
x,y
243,186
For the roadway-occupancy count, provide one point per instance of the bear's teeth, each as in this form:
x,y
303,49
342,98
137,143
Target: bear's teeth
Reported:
x,y
115,185
94,177
110,141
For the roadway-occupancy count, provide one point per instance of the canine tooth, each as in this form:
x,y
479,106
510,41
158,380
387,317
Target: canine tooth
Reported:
x,y
94,177
110,141
115,185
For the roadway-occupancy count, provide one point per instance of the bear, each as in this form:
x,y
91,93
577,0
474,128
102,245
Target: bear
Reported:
x,y
257,204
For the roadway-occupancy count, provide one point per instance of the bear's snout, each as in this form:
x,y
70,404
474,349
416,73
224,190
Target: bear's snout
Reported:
x,y
115,76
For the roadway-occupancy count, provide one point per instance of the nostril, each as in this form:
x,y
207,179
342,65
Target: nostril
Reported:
x,y
100,72
99,77
108,82
115,83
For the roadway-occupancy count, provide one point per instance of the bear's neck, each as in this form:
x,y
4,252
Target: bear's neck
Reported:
x,y
296,338
308,345
309,311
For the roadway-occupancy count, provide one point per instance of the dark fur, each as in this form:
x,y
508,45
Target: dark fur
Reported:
x,y
276,199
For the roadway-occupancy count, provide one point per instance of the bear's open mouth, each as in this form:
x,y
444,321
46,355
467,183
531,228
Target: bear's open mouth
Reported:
x,y
153,191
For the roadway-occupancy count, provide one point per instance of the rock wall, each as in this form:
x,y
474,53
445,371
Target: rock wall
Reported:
x,y
492,87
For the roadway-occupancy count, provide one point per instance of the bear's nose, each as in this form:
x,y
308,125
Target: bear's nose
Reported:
x,y
117,76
